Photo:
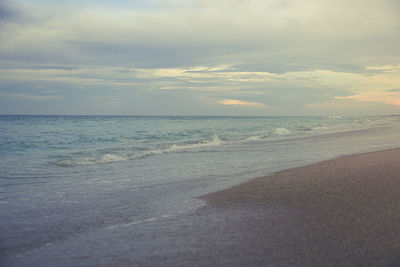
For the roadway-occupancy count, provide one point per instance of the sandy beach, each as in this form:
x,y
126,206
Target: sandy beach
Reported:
x,y
341,212
72,210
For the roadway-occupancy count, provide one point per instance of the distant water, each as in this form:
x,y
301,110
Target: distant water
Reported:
x,y
62,178
86,140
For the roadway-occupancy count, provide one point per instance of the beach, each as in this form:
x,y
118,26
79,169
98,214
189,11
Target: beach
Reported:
x,y
182,191
199,133
340,212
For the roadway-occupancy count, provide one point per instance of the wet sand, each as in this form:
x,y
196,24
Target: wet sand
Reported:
x,y
341,212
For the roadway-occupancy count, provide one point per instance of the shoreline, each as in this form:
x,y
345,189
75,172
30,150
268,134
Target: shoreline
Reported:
x,y
343,211
251,191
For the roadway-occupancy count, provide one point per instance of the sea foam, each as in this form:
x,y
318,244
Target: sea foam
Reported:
x,y
215,141
281,131
275,132
110,158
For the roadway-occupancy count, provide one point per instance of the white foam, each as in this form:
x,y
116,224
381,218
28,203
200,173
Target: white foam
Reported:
x,y
276,131
257,138
66,163
281,131
110,158
216,141
107,158
146,154
335,117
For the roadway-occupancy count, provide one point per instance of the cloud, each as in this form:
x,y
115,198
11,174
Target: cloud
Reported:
x,y
394,90
328,105
384,68
8,12
290,54
190,33
390,98
30,96
235,102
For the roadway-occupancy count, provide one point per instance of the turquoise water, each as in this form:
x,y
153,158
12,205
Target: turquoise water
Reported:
x,y
79,140
66,181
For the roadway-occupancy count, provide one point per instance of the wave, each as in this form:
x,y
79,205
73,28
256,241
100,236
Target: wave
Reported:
x,y
110,158
257,138
335,117
107,158
215,141
280,131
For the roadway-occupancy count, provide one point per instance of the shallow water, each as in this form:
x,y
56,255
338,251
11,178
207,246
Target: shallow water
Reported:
x,y
70,183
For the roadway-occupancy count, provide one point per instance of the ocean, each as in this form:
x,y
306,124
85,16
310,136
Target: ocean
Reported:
x,y
72,183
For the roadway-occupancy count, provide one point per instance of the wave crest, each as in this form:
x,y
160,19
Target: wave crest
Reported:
x,y
110,158
215,141
275,132
281,131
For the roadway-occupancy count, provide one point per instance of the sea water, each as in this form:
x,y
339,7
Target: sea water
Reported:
x,y
67,181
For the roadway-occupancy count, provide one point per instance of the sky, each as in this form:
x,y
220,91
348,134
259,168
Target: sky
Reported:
x,y
200,57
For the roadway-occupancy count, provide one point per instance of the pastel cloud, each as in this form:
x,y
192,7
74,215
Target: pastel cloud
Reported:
x,y
390,98
235,102
384,68
170,54
205,31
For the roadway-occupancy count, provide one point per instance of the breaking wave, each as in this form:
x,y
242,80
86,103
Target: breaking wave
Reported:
x,y
281,131
215,141
110,158
275,132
